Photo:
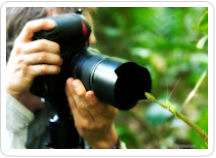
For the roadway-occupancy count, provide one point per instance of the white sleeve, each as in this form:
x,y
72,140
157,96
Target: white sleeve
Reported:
x,y
18,118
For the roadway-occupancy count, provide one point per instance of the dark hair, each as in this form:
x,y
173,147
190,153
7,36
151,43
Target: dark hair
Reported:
x,y
17,17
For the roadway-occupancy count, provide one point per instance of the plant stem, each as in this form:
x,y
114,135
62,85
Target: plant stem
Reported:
x,y
194,90
180,116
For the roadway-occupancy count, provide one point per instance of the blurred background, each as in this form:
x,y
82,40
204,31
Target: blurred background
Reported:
x,y
173,44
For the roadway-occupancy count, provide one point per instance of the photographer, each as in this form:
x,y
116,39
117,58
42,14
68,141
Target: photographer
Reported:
x,y
26,114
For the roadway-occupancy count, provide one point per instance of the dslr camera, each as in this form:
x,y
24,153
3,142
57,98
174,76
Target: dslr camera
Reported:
x,y
114,81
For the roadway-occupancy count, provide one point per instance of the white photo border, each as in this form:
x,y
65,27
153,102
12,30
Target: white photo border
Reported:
x,y
114,152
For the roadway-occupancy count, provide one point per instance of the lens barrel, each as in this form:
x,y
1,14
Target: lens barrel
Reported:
x,y
113,81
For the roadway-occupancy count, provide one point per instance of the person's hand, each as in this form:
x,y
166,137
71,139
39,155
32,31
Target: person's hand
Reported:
x,y
93,119
31,58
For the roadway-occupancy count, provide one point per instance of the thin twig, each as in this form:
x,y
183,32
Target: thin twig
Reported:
x,y
180,116
194,90
176,84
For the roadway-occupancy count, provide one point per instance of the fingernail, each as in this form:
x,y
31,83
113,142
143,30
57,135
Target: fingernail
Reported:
x,y
70,80
75,83
77,87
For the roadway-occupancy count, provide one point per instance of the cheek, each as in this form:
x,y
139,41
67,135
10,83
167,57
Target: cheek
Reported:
x,y
92,39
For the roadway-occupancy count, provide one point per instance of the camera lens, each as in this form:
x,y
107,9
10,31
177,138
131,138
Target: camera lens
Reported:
x,y
113,81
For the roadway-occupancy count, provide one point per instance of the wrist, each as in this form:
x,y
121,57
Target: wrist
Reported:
x,y
13,94
109,139
31,102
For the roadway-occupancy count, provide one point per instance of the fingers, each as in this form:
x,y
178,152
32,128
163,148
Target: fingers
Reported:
x,y
33,26
91,98
43,52
86,102
40,58
71,101
103,110
31,58
77,91
68,94
78,102
43,69
40,45
88,99
78,88
77,114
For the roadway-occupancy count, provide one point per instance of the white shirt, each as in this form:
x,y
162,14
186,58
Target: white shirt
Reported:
x,y
18,118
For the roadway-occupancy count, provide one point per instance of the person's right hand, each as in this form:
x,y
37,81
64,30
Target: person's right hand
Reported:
x,y
31,58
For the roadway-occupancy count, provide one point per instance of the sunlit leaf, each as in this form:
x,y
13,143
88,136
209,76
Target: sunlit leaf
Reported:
x,y
200,44
203,24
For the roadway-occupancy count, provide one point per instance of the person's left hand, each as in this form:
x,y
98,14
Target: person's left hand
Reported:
x,y
93,119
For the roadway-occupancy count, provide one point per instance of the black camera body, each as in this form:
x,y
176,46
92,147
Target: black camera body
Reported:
x,y
72,33
115,82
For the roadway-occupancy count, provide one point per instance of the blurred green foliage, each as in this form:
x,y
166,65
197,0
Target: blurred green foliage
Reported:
x,y
173,44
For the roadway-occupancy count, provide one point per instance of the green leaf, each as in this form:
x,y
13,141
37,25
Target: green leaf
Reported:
x,y
201,43
203,24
